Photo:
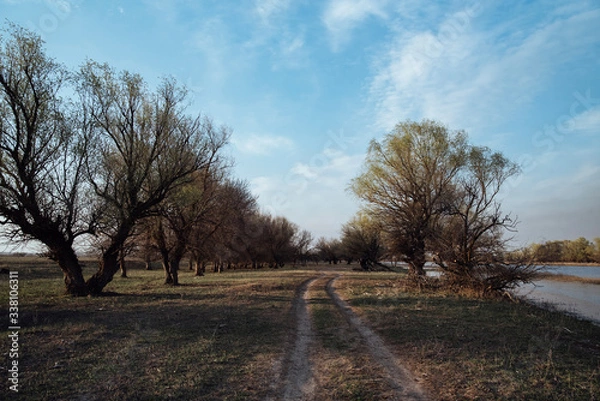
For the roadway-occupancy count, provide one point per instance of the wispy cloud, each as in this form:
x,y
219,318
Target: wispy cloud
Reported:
x,y
312,186
290,51
262,144
469,77
341,16
587,122
268,9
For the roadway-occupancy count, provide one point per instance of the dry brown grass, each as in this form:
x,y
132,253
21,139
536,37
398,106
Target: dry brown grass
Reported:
x,y
219,337
212,338
473,349
344,368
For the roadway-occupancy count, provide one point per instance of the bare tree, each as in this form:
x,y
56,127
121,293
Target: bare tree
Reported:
x,y
278,238
470,243
145,147
41,155
191,206
301,244
236,203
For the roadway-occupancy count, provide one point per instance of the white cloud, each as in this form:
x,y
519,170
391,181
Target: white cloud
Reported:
x,y
263,144
311,193
587,122
290,51
341,16
470,78
268,9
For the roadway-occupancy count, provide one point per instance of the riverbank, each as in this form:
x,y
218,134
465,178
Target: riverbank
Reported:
x,y
569,264
569,278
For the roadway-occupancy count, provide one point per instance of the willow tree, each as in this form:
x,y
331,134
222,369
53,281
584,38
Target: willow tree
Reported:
x,y
405,182
41,155
362,241
470,241
145,147
221,232
188,207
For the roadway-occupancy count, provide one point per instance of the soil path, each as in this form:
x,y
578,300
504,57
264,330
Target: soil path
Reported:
x,y
297,373
299,383
398,376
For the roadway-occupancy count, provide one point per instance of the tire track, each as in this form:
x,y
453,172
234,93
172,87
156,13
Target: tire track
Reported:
x,y
398,376
299,382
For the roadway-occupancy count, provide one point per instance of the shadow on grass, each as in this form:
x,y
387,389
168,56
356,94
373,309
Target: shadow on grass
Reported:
x,y
175,343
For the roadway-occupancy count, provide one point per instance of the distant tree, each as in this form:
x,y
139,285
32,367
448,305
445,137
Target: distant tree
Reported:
x,y
222,219
578,251
548,252
145,147
597,249
329,251
405,181
43,195
279,236
301,243
361,240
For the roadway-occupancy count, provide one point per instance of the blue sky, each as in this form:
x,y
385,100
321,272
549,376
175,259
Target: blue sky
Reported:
x,y
305,85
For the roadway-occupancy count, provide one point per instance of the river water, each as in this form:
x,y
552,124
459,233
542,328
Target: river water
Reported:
x,y
580,299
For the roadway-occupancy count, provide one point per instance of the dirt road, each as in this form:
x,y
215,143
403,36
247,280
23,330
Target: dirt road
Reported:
x,y
302,367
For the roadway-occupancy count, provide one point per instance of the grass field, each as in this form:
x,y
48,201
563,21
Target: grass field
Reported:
x,y
224,337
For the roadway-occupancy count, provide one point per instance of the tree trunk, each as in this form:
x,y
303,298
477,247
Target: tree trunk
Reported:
x,y
197,269
175,261
122,265
166,263
109,265
69,264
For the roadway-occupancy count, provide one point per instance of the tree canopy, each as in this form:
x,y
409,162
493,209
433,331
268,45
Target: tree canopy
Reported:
x,y
435,197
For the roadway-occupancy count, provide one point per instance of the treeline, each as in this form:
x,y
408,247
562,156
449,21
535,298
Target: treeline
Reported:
x,y
95,155
580,250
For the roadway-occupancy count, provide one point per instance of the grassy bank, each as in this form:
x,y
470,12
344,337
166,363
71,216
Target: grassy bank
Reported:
x,y
484,350
220,337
